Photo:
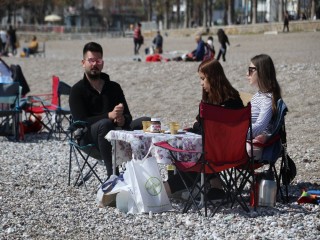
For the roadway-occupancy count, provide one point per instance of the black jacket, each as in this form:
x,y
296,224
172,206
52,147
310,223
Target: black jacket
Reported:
x,y
88,105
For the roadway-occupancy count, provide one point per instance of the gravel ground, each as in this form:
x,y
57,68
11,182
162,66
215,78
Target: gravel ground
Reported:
x,y
37,203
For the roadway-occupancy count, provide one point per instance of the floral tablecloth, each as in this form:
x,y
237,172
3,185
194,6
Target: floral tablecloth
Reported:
x,y
135,144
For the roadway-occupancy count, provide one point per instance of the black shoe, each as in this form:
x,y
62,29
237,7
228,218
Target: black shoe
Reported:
x,y
216,194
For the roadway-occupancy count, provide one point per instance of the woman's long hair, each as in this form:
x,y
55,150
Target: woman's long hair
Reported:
x,y
220,88
267,80
221,35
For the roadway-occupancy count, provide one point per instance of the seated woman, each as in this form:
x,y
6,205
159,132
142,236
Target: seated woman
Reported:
x,y
32,48
262,75
216,89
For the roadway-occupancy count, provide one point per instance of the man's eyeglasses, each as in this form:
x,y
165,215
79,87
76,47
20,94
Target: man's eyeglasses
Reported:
x,y
92,61
251,70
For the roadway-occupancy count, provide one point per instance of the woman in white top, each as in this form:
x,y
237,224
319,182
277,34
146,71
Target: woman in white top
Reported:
x,y
262,75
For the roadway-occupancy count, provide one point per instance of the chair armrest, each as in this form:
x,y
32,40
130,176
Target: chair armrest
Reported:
x,y
268,143
77,124
166,145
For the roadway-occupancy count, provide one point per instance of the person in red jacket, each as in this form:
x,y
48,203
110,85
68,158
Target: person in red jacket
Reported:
x,y
137,39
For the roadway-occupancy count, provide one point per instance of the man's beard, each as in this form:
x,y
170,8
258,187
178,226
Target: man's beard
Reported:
x,y
93,74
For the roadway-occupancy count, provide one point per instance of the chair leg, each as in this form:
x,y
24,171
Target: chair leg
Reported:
x,y
80,171
70,163
57,126
81,167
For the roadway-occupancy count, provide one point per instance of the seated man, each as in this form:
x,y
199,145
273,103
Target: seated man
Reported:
x,y
100,102
198,54
32,48
158,42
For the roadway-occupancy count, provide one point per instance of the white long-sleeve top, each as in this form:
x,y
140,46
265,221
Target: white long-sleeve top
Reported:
x,y
261,113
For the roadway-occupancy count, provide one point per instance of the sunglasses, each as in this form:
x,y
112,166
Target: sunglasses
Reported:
x,y
92,61
251,70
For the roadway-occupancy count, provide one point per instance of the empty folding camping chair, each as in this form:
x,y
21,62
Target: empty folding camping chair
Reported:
x,y
224,134
42,107
60,114
10,110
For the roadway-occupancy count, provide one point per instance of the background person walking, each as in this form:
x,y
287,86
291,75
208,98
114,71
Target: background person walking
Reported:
x,y
286,21
224,40
12,39
137,39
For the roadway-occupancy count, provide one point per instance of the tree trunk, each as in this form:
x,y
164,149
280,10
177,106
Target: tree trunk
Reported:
x,y
166,14
205,13
187,14
254,11
178,13
313,9
210,13
150,11
229,11
280,12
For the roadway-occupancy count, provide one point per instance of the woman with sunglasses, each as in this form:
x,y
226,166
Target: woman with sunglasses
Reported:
x,y
262,75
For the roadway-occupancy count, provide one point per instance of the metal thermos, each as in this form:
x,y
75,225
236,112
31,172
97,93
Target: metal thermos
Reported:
x,y
171,170
267,193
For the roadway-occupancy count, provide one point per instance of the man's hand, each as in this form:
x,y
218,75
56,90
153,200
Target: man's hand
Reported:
x,y
120,121
117,115
116,112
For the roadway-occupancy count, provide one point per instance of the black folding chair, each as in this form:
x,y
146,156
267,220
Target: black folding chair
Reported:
x,y
276,147
61,114
86,156
10,110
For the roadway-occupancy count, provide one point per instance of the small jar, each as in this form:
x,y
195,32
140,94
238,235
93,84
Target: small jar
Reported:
x,y
155,125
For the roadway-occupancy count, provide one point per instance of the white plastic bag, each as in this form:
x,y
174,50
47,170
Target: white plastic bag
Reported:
x,y
146,186
104,196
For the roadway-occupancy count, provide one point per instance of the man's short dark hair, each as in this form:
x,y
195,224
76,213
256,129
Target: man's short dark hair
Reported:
x,y
92,47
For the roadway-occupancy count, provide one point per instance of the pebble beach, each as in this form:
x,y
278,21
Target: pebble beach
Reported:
x,y
37,203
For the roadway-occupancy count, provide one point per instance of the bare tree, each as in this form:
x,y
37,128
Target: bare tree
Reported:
x,y
205,13
210,11
187,14
229,11
178,13
280,11
166,14
313,9
254,11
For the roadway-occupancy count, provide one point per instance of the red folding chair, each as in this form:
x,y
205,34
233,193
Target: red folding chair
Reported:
x,y
44,105
224,137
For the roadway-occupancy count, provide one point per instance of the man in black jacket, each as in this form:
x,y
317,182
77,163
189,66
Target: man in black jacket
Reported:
x,y
99,101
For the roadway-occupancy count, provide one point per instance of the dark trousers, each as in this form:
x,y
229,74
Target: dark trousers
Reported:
x,y
137,45
222,52
96,134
